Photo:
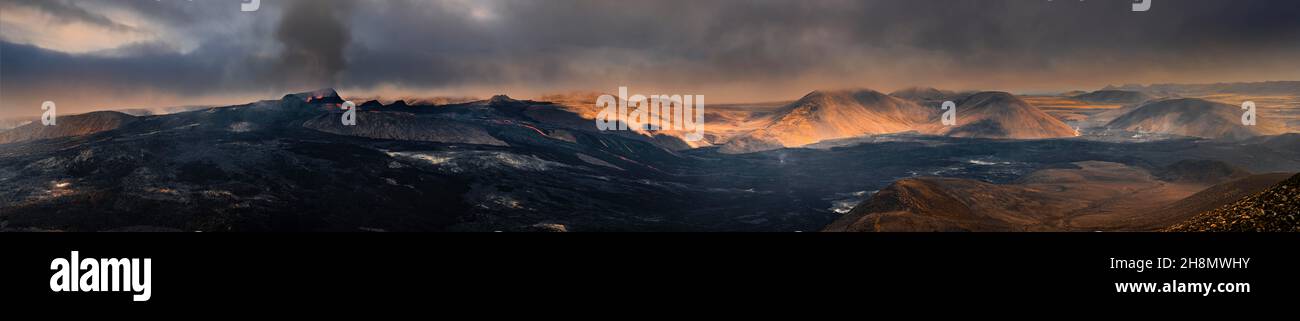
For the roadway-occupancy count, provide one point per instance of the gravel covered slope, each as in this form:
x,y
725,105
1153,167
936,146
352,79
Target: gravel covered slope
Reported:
x,y
1274,210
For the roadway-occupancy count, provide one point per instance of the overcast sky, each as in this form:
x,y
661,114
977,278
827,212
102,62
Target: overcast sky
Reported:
x,y
113,54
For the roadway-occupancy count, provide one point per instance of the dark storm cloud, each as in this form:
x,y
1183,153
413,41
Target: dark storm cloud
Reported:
x,y
745,40
146,68
696,45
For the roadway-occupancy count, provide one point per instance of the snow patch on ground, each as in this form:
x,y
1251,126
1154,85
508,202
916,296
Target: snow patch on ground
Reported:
x,y
241,127
842,203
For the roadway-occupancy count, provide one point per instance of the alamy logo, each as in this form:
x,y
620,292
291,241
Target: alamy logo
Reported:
x,y
1248,118
656,112
1142,5
349,113
251,5
1138,5
47,117
102,275
950,113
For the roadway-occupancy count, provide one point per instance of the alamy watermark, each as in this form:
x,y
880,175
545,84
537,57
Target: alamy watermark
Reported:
x,y
950,113
244,5
48,114
1248,118
77,274
655,112
349,113
1142,5
1138,5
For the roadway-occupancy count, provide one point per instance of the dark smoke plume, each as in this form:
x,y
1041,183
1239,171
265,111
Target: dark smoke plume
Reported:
x,y
315,35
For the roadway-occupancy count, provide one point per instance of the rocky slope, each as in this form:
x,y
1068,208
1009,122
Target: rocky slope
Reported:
x,y
1092,196
65,126
289,165
1207,200
1276,209
404,126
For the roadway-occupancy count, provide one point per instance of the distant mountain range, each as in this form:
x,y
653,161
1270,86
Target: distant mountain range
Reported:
x,y
1114,97
289,164
502,164
820,116
1253,88
829,115
161,111
927,95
